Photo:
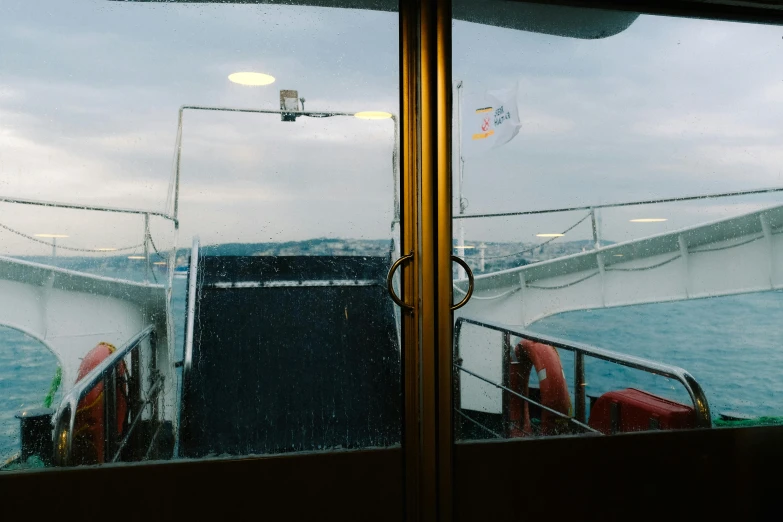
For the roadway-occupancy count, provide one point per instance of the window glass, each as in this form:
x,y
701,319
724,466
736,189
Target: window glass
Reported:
x,y
198,209
618,198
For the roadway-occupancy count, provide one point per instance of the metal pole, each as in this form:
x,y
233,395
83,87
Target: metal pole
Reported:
x,y
178,157
596,240
580,393
154,372
506,382
110,414
460,174
178,145
626,204
53,204
457,380
134,385
147,268
395,169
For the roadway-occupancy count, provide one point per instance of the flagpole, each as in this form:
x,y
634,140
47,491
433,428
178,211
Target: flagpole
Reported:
x,y
460,173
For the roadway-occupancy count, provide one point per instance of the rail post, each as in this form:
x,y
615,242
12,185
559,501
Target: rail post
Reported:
x,y
457,380
506,380
579,386
148,268
110,414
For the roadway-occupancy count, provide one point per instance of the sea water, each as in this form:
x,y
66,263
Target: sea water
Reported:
x,y
731,345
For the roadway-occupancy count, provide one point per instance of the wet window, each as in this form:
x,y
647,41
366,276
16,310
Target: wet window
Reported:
x,y
198,209
618,198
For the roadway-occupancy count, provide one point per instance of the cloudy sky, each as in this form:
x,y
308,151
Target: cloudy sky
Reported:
x,y
89,93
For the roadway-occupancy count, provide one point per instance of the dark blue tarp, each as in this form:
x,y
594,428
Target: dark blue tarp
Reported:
x,y
291,368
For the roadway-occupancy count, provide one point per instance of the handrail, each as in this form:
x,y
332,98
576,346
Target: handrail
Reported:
x,y
527,399
580,350
190,325
314,114
190,320
65,416
622,204
151,395
72,206
146,243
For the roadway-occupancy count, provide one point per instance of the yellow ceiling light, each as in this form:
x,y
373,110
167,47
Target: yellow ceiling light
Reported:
x,y
252,79
550,235
52,236
373,115
136,257
648,220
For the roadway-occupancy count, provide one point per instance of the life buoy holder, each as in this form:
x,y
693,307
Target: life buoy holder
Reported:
x,y
552,382
88,431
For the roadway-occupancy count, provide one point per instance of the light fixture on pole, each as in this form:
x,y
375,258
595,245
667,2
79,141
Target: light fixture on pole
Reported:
x,y
286,116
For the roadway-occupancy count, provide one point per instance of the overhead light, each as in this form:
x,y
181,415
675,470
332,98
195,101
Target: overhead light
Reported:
x,y
549,235
54,236
136,257
107,249
373,115
464,247
160,263
618,255
648,220
251,78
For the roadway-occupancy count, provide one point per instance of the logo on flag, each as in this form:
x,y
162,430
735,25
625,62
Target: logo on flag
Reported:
x,y
493,122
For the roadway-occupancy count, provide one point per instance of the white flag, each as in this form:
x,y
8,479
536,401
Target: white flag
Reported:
x,y
489,121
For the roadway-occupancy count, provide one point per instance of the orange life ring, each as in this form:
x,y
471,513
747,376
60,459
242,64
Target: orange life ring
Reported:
x,y
552,382
88,432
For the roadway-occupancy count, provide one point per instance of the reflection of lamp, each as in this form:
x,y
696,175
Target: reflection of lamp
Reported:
x,y
136,257
373,115
251,79
53,237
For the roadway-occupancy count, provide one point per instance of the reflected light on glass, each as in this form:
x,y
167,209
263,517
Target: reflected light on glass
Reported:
x,y
136,257
54,236
160,263
464,247
373,115
251,78
62,443
550,235
648,220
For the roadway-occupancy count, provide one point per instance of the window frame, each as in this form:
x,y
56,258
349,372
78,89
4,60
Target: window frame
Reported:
x,y
694,473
